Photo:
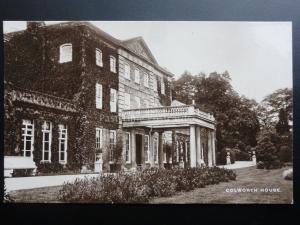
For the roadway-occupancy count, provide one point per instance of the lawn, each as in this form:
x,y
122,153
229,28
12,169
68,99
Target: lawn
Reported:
x,y
246,178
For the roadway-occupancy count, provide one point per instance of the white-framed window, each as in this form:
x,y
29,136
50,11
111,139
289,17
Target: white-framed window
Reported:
x,y
162,86
127,71
155,149
146,102
65,53
113,100
146,79
47,139
62,143
138,102
112,144
98,138
126,101
99,61
137,76
187,147
113,65
147,148
127,147
27,138
154,83
98,96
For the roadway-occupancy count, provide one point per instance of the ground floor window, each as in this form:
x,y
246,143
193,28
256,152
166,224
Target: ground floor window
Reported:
x,y
27,138
127,147
47,137
63,143
146,148
165,150
98,138
112,144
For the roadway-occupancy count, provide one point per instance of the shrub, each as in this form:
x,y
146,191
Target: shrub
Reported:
x,y
288,174
139,187
7,198
242,156
260,165
285,154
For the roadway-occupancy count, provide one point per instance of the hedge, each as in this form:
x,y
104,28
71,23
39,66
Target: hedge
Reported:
x,y
140,187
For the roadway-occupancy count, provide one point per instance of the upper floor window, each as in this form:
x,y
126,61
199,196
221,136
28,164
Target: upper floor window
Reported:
x,y
113,100
162,86
146,103
65,53
138,102
127,71
146,80
126,101
27,138
113,64
99,57
154,83
136,76
98,96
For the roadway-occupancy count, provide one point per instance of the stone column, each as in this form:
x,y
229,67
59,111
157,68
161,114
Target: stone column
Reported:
x,y
173,148
214,147
160,150
198,152
143,151
151,146
192,146
133,148
209,148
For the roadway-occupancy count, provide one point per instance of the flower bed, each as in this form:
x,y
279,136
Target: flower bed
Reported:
x,y
141,186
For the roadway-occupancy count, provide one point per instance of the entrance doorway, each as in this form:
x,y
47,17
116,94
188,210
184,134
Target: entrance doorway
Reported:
x,y
138,144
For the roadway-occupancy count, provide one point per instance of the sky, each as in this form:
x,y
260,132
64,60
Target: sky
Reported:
x,y
257,55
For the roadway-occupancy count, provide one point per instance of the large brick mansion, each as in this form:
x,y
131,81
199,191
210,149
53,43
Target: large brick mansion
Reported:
x,y
74,94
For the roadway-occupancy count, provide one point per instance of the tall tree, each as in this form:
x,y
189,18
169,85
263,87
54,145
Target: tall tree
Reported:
x,y
236,118
271,105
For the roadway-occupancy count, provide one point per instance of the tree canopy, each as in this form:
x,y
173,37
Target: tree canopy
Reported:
x,y
237,120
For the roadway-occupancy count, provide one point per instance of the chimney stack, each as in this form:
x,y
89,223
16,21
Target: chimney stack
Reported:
x,y
34,25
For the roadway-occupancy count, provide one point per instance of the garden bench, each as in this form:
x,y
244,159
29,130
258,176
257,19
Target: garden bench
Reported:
x,y
12,163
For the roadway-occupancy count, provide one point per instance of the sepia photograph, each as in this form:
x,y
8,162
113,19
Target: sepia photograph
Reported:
x,y
148,112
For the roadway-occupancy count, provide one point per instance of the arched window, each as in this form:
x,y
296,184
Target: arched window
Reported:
x,y
99,57
65,53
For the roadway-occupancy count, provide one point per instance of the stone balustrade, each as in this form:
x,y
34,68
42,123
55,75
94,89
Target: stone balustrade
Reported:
x,y
165,113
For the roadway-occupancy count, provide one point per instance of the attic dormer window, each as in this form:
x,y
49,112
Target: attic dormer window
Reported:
x,y
65,53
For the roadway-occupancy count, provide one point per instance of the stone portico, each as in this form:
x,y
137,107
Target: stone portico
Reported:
x,y
176,135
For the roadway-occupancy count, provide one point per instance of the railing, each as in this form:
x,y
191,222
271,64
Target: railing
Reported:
x,y
165,113
42,99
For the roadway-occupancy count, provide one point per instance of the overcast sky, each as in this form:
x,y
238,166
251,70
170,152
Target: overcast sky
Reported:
x,y
257,55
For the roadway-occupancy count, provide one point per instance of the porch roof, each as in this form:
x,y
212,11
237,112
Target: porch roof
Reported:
x,y
167,117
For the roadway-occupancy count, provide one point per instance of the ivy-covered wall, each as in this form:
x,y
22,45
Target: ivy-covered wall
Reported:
x,y
32,62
